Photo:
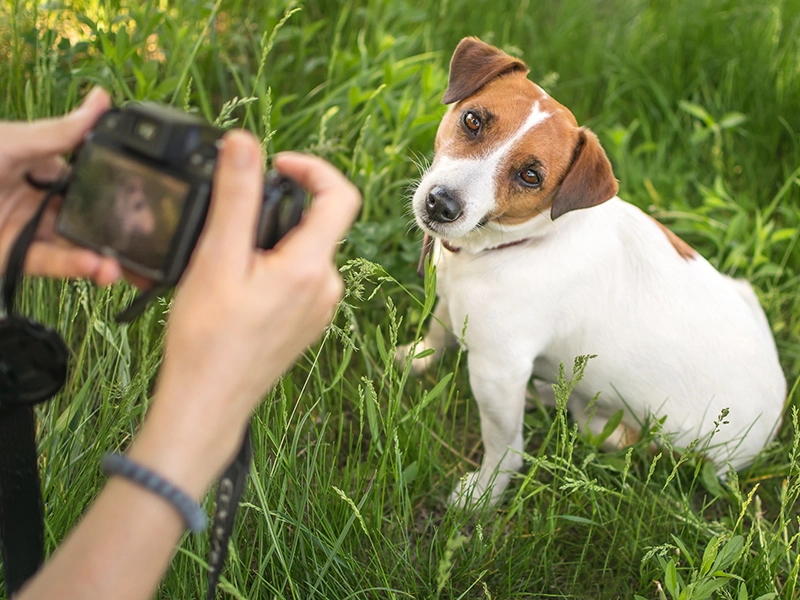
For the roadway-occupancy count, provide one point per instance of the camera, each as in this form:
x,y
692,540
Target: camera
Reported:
x,y
140,187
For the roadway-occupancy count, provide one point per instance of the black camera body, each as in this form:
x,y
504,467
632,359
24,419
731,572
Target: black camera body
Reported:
x,y
140,188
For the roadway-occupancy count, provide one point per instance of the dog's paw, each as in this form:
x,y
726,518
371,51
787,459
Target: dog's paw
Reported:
x,y
418,365
472,491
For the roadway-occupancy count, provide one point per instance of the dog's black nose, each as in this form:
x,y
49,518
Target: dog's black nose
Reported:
x,y
442,206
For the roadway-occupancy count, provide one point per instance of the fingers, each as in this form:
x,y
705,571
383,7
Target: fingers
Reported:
x,y
48,170
236,200
30,141
335,206
47,226
140,282
51,259
53,256
108,271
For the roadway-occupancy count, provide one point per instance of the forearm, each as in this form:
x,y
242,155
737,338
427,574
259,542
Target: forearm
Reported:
x,y
124,544
120,550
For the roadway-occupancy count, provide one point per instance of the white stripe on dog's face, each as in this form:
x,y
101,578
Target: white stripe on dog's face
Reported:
x,y
521,128
471,180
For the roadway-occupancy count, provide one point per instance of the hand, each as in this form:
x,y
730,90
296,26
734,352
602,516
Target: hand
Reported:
x,y
35,149
242,316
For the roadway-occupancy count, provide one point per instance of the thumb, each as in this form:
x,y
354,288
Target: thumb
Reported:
x,y
47,137
236,198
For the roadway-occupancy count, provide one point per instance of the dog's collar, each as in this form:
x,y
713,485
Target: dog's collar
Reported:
x,y
427,250
455,249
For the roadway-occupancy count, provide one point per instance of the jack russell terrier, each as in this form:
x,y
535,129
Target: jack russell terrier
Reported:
x,y
538,256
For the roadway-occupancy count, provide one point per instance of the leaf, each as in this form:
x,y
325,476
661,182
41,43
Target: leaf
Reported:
x,y
725,575
82,18
709,556
768,270
166,86
612,462
610,427
428,398
576,519
425,353
780,235
743,592
684,551
372,409
732,119
410,473
381,346
696,111
430,288
706,588
671,579
699,135
710,480
228,588
437,389
729,554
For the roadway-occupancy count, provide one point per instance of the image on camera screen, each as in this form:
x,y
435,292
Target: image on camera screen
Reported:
x,y
123,208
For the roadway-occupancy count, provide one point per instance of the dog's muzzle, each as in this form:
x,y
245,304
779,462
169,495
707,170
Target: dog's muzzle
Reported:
x,y
442,206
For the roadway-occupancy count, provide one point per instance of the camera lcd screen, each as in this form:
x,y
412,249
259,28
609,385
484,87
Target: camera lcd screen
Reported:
x,y
123,208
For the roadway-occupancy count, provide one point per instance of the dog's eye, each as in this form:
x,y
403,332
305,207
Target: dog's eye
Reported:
x,y
530,178
472,122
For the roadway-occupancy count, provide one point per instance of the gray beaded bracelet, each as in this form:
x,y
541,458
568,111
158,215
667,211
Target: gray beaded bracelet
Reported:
x,y
119,464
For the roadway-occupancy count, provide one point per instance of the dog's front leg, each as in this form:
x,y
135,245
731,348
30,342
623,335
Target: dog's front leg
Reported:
x,y
439,336
499,384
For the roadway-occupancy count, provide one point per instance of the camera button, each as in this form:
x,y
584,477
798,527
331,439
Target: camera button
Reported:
x,y
196,159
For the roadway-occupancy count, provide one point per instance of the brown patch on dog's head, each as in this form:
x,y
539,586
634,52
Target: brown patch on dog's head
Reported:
x,y
684,250
544,152
502,105
589,181
474,64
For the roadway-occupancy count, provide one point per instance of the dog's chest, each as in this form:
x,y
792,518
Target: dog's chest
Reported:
x,y
494,293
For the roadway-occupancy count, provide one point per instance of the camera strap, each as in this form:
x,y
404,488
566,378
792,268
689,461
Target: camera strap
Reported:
x,y
229,492
33,367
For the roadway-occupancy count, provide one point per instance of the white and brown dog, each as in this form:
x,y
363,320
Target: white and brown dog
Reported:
x,y
544,263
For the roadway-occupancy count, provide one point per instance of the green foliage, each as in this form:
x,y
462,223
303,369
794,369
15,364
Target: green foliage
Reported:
x,y
697,103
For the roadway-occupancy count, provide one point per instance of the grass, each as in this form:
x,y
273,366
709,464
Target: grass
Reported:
x,y
697,103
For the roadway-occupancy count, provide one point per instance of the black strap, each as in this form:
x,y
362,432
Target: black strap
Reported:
x,y
16,258
229,492
138,305
21,512
23,384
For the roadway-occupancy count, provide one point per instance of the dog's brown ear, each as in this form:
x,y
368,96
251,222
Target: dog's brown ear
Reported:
x,y
589,181
474,64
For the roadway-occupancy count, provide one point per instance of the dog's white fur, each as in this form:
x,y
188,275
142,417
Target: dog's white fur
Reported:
x,y
672,337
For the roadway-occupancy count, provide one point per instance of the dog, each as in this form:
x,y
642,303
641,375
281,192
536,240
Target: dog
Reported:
x,y
538,256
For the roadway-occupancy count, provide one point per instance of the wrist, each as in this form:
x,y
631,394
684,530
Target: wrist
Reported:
x,y
189,452
193,515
